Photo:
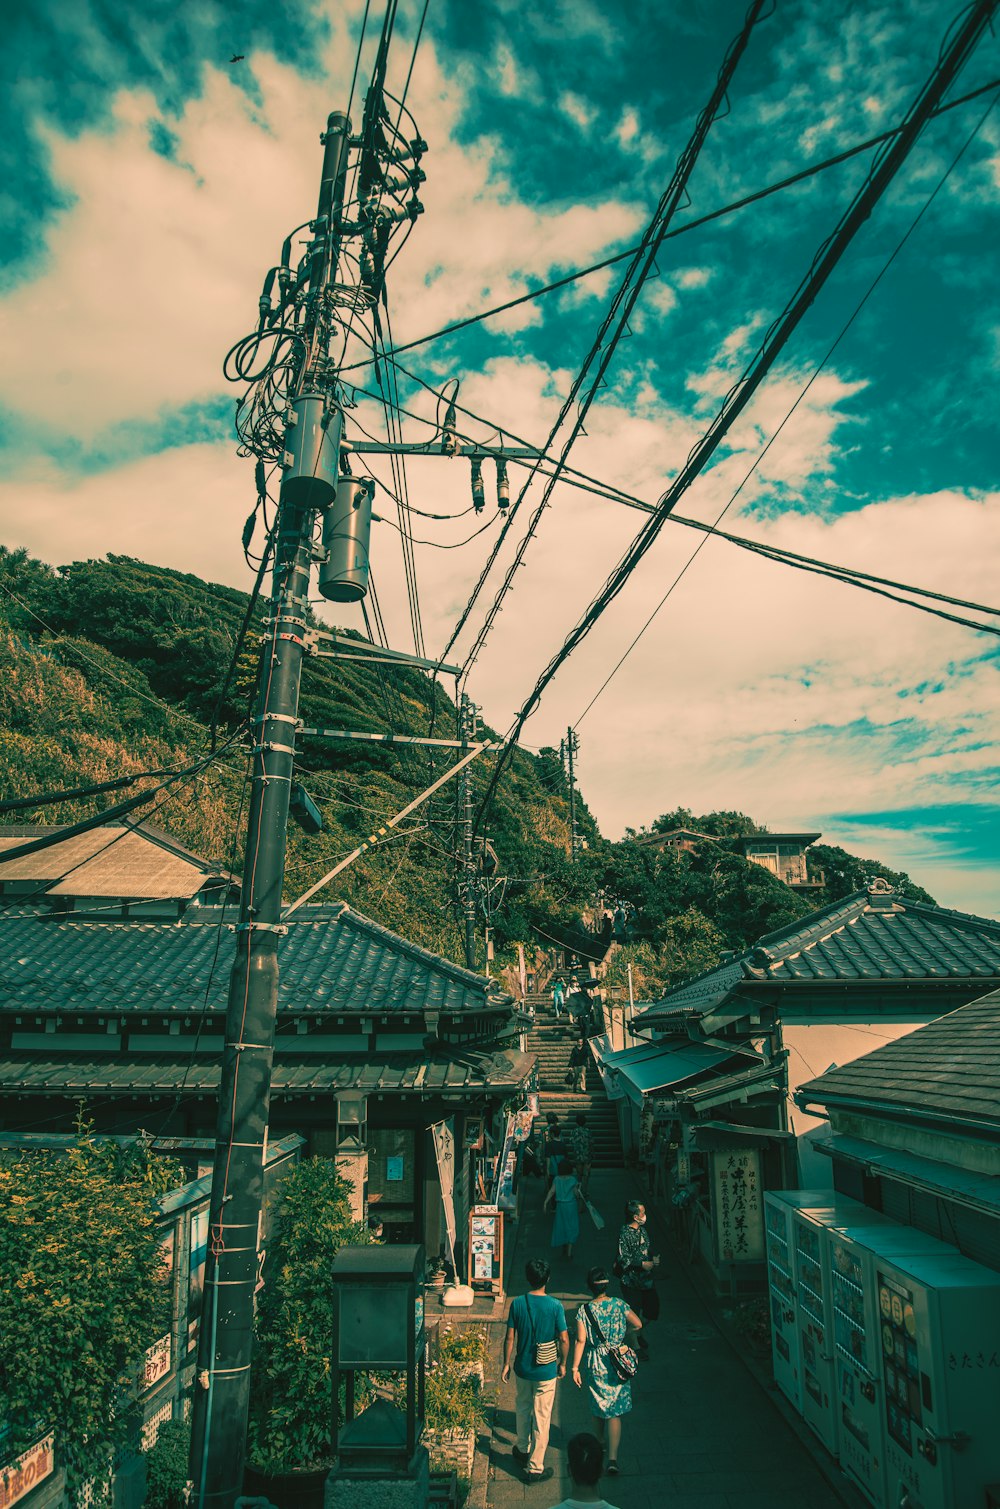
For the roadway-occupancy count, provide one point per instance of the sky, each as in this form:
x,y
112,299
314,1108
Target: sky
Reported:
x,y
148,184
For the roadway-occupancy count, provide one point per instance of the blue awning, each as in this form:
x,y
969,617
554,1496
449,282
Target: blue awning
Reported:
x,y
660,1066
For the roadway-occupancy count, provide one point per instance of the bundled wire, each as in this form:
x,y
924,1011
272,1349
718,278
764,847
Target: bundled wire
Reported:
x,y
964,34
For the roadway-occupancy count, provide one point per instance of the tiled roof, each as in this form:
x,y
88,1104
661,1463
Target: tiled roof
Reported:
x,y
138,1074
866,938
114,860
949,1069
332,960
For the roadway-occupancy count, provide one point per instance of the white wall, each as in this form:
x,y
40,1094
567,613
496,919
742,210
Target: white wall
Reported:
x,y
814,1048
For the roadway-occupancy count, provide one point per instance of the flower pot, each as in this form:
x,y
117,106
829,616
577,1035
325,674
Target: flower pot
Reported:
x,y
287,1490
454,1449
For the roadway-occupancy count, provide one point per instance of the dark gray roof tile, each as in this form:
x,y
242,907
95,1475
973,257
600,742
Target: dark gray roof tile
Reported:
x,y
332,960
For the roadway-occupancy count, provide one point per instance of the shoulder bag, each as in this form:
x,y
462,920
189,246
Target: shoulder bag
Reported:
x,y
546,1352
624,1359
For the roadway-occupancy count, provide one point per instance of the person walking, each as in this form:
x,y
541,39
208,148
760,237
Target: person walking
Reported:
x,y
537,1344
636,1267
604,1322
558,997
565,1195
579,1141
578,1066
585,1459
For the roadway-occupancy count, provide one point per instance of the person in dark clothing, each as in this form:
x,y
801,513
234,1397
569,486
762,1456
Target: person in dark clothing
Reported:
x,y
636,1268
578,1067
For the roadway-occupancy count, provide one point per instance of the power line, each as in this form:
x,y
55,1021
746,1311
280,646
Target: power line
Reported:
x,y
801,563
612,328
965,34
727,209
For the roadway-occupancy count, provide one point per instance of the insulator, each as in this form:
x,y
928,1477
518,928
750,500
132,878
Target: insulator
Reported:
x,y
449,439
503,486
312,455
347,524
478,490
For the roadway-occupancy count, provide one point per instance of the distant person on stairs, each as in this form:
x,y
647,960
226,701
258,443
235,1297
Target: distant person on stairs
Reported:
x,y
578,1067
584,1458
578,1140
636,1268
537,1344
558,997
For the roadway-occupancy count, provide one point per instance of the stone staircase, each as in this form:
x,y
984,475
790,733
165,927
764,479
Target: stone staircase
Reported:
x,y
552,1042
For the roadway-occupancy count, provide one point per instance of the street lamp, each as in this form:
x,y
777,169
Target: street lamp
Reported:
x,y
378,1324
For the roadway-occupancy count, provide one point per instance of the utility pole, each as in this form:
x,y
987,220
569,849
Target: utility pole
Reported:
x,y
572,747
311,463
467,729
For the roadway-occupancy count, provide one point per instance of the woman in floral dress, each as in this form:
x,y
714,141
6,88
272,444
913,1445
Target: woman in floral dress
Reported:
x,y
605,1322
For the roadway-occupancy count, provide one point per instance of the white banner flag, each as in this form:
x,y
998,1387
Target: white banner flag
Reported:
x,y
444,1151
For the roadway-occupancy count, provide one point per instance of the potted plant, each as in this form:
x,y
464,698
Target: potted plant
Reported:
x,y
453,1409
435,1273
288,1440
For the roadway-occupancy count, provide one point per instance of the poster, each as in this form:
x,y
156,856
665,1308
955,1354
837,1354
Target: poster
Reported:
x,y
196,1270
394,1168
739,1226
482,1264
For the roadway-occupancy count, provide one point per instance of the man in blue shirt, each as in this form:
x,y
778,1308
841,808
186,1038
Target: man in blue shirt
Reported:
x,y
537,1345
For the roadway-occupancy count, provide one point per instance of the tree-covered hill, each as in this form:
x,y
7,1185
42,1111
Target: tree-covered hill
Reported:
x,y
110,667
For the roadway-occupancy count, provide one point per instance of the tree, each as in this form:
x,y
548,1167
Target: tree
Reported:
x,y
845,873
82,1293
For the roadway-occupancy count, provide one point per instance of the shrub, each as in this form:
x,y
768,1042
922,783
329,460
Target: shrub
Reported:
x,y
167,1466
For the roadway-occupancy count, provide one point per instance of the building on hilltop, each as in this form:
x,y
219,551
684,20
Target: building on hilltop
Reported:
x,y
784,854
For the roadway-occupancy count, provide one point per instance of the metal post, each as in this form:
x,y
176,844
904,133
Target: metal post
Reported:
x,y
572,746
222,1391
467,719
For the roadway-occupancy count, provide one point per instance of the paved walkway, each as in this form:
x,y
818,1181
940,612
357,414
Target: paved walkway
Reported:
x,y
703,1434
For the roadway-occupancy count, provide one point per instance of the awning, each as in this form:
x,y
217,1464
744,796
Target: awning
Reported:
x,y
657,1066
140,1075
978,1191
711,1134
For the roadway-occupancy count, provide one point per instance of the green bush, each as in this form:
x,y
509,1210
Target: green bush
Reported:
x,y
82,1294
167,1466
290,1387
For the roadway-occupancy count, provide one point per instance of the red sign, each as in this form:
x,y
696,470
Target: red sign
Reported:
x,y
19,1477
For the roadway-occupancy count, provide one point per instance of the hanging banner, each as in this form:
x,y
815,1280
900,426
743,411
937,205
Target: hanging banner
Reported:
x,y
739,1225
444,1151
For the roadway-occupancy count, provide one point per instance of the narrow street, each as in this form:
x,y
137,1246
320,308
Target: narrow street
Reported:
x,y
703,1432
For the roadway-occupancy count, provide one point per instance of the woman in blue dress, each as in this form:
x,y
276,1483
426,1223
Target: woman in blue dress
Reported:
x,y
565,1194
605,1322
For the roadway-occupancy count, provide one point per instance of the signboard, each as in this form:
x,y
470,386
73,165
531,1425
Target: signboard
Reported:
x,y
739,1225
485,1247
19,1477
156,1363
444,1152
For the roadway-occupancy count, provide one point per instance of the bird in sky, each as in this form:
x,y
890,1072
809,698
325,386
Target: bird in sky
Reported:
x,y
237,57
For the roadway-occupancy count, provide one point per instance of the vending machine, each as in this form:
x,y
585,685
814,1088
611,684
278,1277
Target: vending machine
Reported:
x,y
857,1341
939,1345
779,1206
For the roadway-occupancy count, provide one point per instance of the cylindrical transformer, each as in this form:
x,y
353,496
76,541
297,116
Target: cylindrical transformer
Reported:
x,y
312,455
347,527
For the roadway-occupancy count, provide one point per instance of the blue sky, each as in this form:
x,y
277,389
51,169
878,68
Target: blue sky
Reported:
x,y
148,183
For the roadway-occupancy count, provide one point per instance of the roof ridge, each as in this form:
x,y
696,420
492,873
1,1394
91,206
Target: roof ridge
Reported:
x,y
415,950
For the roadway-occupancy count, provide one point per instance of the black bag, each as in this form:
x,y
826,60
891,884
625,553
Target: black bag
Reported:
x,y
624,1359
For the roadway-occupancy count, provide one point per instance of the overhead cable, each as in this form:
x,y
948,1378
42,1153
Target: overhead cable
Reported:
x,y
613,326
964,35
678,230
836,573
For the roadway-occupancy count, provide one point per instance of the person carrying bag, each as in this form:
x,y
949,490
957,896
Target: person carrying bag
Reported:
x,y
608,1362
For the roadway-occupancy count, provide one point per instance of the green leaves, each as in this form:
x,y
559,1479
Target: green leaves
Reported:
x,y
82,1291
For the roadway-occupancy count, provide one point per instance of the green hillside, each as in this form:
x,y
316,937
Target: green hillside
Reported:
x,y
112,666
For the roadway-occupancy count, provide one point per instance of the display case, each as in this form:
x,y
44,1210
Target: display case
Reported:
x,y
779,1206
939,1346
856,1341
